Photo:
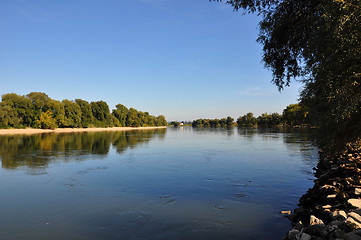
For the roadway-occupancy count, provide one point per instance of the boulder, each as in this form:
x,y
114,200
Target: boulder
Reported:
x,y
355,216
352,223
298,226
303,236
328,230
327,207
338,215
332,196
355,202
355,235
315,221
335,223
292,234
328,187
357,191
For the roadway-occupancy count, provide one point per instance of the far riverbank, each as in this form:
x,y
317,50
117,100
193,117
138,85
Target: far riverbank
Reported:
x,y
70,130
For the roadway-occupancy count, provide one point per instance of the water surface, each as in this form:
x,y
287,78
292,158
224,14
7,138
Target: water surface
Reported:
x,y
175,183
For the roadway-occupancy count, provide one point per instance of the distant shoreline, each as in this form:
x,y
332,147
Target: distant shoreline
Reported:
x,y
71,130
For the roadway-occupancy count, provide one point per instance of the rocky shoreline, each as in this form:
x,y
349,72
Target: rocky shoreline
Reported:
x,y
332,208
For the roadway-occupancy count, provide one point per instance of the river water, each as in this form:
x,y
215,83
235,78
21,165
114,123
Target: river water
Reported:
x,y
175,183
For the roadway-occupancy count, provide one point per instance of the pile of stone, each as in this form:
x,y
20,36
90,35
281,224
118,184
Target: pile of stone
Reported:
x,y
332,208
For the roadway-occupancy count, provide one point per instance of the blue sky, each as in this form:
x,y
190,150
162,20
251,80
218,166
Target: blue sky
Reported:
x,y
184,59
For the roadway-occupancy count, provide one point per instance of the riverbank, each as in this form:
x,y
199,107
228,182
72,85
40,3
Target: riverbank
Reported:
x,y
71,130
332,208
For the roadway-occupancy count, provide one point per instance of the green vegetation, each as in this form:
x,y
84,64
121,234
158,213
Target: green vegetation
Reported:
x,y
37,110
317,43
224,122
293,115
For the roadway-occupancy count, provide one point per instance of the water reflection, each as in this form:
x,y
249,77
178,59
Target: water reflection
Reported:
x,y
229,131
196,184
38,150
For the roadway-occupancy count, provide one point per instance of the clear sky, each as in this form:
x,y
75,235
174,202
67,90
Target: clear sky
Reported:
x,y
184,59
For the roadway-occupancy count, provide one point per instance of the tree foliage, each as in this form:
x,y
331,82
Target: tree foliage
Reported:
x,y
86,112
72,114
46,120
293,115
224,122
247,120
120,113
318,43
101,113
269,120
38,110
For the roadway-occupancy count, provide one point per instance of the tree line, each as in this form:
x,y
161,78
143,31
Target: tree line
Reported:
x,y
224,122
37,110
293,115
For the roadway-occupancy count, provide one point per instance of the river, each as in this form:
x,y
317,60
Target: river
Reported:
x,y
175,183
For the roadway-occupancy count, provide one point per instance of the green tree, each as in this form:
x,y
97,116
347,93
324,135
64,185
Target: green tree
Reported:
x,y
269,120
86,113
72,114
22,108
101,113
247,120
8,117
39,101
276,119
132,118
264,120
295,114
36,109
120,113
58,111
317,42
197,123
229,121
46,120
161,121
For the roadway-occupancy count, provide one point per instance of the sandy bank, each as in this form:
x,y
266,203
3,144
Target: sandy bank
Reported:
x,y
70,130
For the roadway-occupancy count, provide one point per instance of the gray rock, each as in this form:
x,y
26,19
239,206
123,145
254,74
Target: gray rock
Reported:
x,y
292,234
328,230
335,223
303,236
299,226
355,235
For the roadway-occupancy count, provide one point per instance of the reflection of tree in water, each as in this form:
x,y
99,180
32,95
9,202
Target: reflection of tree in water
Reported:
x,y
248,132
40,149
303,141
291,135
297,140
229,131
